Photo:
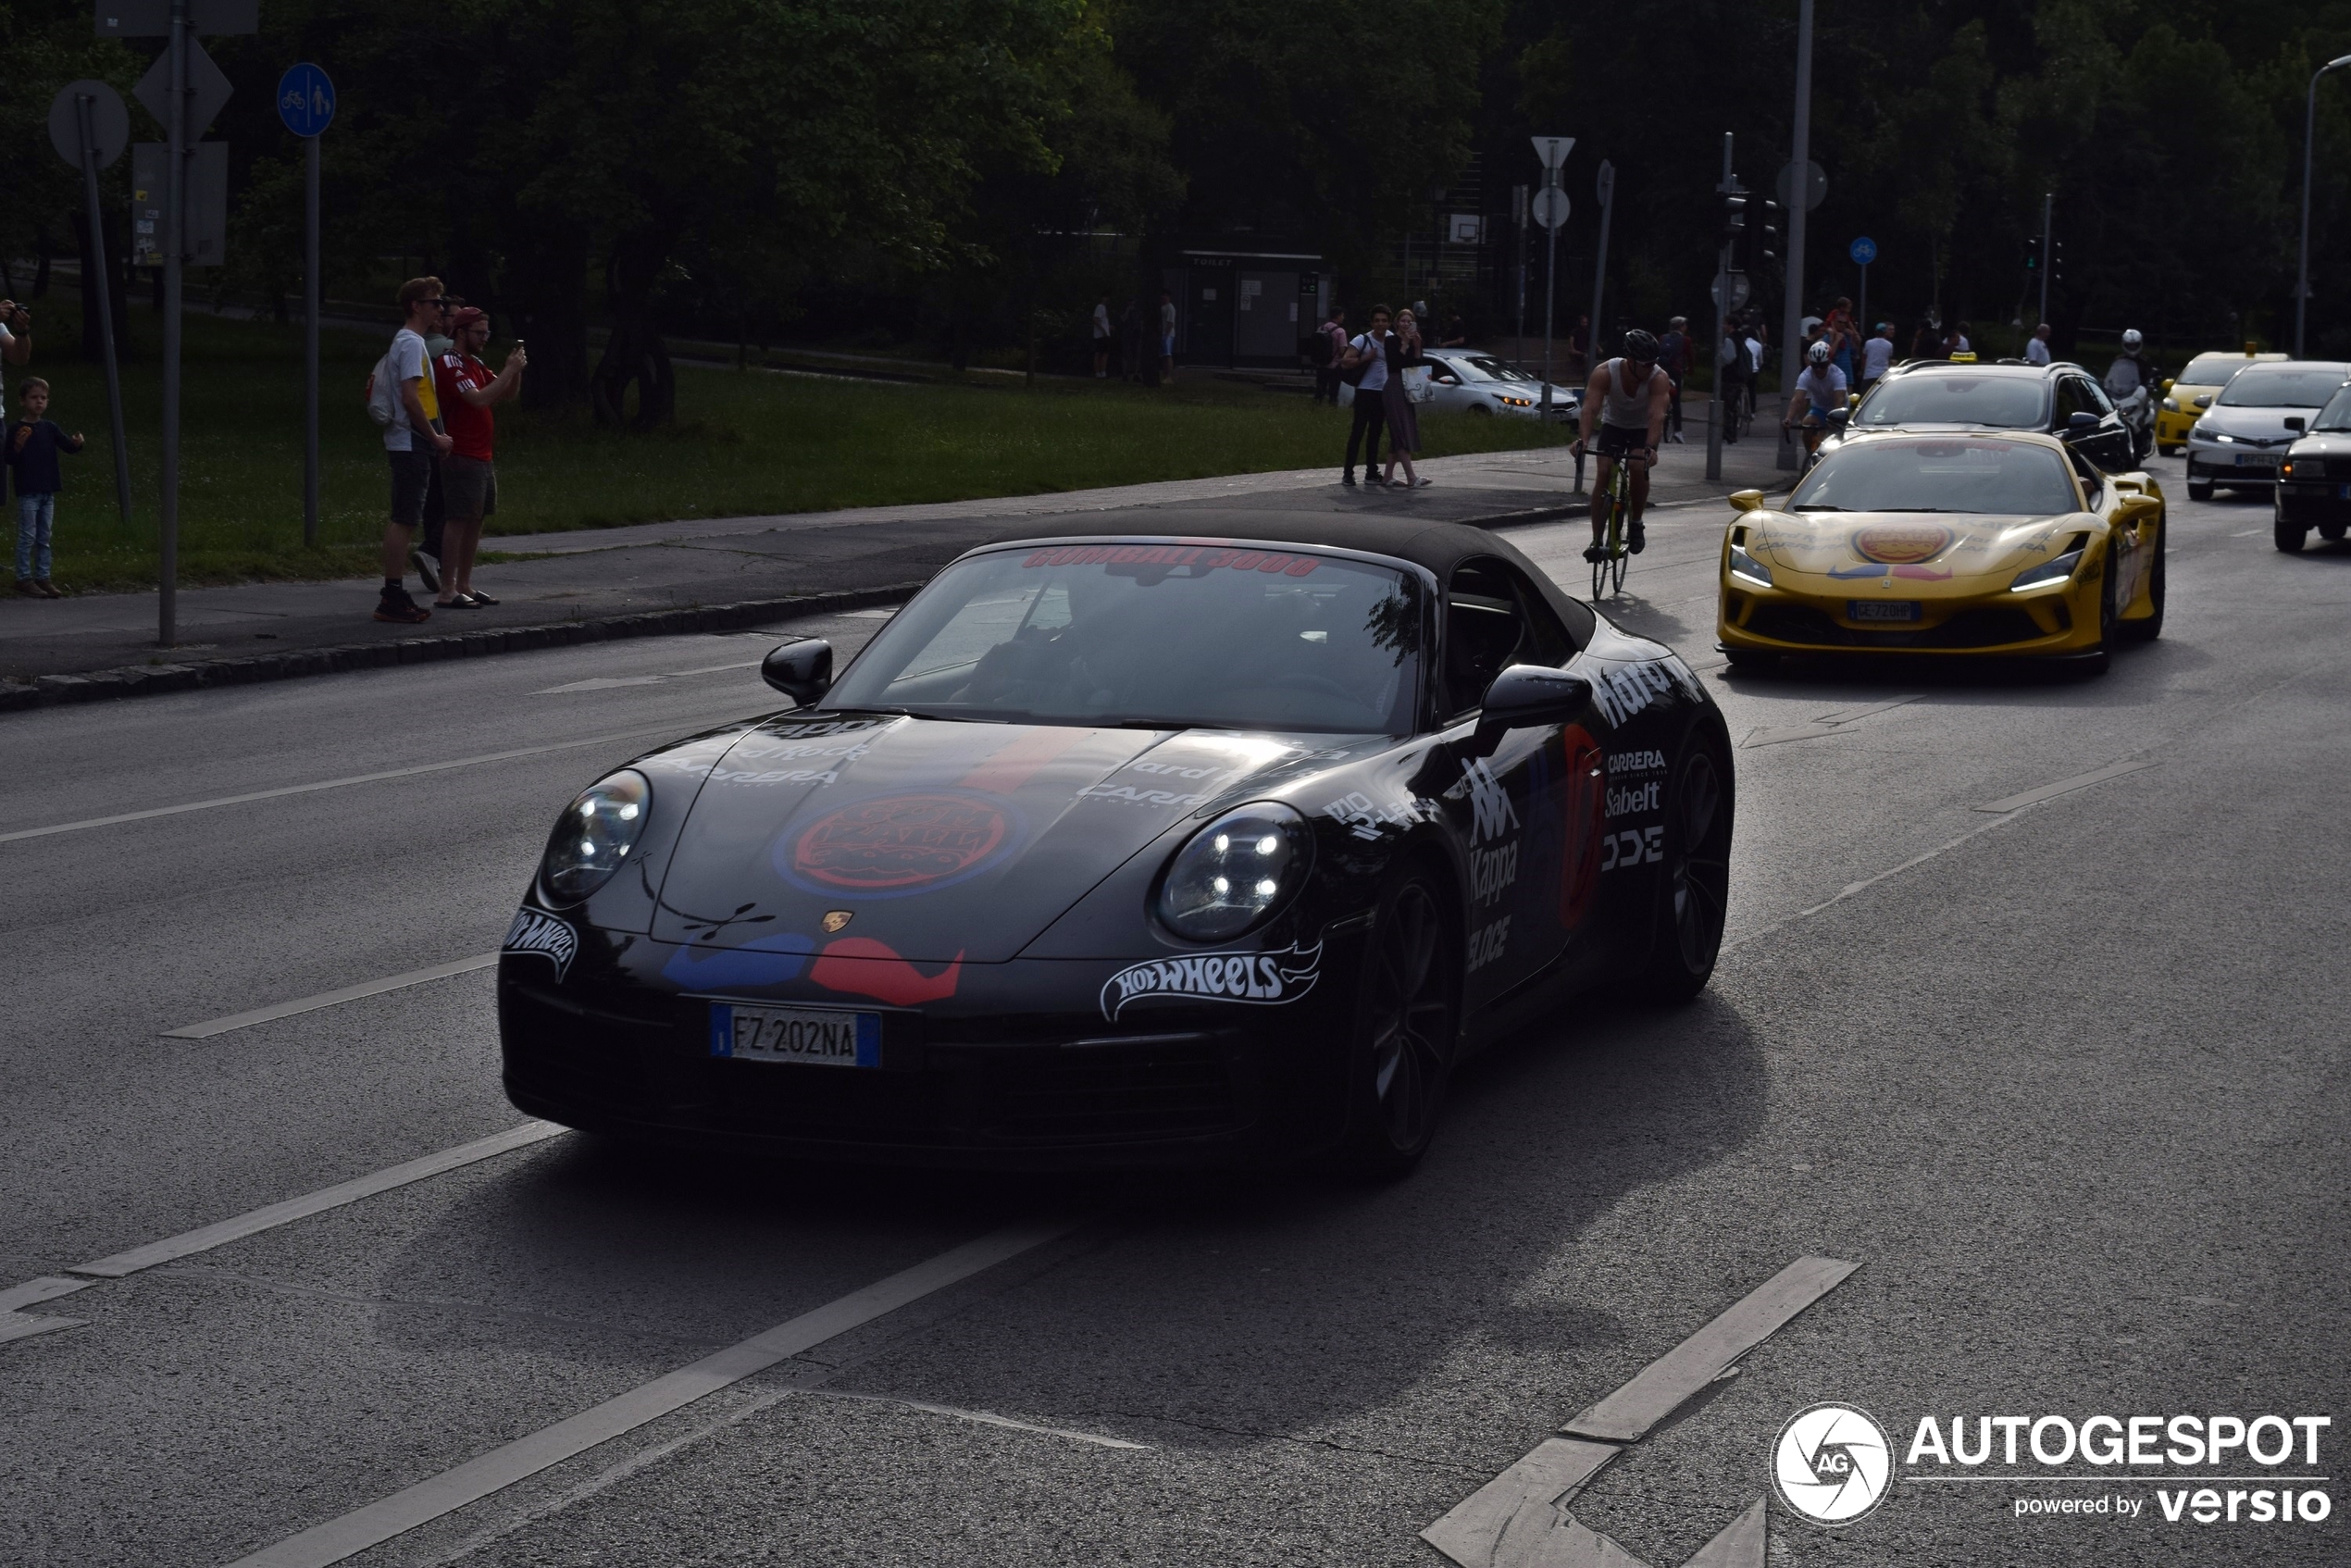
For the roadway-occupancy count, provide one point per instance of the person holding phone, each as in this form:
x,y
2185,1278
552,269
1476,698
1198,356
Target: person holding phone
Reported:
x,y
16,342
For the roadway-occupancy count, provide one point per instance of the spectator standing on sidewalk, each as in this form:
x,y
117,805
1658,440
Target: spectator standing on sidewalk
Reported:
x,y
33,444
1877,356
1403,353
2036,347
1674,357
469,481
16,340
413,443
1332,336
1364,367
1101,336
427,558
1166,338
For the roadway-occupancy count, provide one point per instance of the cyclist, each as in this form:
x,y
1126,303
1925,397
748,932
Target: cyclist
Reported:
x,y
1630,396
1819,392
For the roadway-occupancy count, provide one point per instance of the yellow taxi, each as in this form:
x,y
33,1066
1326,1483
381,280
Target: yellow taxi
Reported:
x,y
2188,394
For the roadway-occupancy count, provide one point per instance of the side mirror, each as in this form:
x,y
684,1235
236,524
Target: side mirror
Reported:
x,y
1747,501
2297,423
1525,695
2080,424
1838,417
2167,383
801,669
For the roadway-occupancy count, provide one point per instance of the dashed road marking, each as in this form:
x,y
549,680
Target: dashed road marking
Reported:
x,y
211,1026
2065,786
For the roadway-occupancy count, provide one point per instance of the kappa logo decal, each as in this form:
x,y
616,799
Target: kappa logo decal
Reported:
x,y
1491,812
1263,979
544,936
897,844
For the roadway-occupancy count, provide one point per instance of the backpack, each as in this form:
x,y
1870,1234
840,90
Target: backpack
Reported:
x,y
1353,376
383,393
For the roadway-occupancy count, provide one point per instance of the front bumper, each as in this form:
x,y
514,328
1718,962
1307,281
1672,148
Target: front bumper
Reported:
x,y
1809,617
1018,1068
2318,503
2171,430
2209,463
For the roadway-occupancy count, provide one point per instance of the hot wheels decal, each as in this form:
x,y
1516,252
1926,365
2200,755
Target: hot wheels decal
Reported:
x,y
542,936
1629,688
1262,980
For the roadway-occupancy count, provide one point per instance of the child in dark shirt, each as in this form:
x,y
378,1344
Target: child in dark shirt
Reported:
x,y
33,444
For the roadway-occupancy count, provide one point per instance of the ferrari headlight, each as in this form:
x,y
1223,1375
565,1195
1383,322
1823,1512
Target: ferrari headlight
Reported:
x,y
1236,871
1746,565
2047,572
594,835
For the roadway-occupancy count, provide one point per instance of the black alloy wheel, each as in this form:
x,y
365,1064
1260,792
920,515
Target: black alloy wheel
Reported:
x,y
2147,631
1695,888
1407,1022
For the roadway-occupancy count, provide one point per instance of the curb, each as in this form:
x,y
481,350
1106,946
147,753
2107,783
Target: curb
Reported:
x,y
139,681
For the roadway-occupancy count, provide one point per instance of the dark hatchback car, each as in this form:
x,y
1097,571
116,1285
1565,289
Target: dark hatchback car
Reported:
x,y
2062,400
2314,482
1131,851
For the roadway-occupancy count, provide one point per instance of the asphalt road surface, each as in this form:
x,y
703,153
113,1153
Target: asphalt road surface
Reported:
x,y
2066,1081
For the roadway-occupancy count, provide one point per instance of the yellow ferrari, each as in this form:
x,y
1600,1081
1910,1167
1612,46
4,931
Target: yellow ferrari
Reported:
x,y
1984,543
2188,394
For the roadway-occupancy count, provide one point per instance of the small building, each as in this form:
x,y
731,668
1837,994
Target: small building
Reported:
x,y
1245,307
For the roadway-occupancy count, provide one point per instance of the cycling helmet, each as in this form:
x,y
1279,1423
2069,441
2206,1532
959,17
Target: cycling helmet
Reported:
x,y
1640,347
1818,353
2132,340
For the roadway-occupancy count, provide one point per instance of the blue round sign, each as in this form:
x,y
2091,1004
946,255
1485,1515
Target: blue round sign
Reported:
x,y
306,100
1863,252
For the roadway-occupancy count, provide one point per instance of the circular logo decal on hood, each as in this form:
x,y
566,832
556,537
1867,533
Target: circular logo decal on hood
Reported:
x,y
1902,544
897,843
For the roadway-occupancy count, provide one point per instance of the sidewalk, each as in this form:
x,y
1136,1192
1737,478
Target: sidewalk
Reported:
x,y
718,574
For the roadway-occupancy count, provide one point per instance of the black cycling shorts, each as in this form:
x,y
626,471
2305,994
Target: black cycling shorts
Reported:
x,y
1617,440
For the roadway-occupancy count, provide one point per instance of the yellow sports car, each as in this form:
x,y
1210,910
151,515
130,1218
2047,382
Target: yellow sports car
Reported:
x,y
1993,543
2188,394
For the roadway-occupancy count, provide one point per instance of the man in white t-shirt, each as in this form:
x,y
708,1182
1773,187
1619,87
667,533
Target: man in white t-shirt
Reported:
x,y
413,441
2036,347
1877,355
1364,362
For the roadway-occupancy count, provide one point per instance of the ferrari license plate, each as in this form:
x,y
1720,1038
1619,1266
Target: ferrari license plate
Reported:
x,y
814,1036
1882,609
2256,459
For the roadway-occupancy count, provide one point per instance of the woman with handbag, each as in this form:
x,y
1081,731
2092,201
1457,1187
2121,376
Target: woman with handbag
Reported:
x,y
1407,384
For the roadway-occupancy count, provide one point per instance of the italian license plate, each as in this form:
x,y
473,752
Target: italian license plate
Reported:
x,y
2256,459
814,1036
1882,609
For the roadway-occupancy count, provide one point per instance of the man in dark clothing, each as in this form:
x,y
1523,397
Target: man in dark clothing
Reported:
x,y
1331,346
1365,366
1674,358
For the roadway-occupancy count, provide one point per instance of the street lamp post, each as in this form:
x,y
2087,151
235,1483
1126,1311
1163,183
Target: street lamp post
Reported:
x,y
1799,197
2310,145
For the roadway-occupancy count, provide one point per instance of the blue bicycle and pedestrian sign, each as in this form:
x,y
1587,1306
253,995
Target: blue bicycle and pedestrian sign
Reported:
x,y
1863,252
306,100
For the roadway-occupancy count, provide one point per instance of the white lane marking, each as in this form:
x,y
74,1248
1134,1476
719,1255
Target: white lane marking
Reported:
x,y
327,999
2247,533
606,683
986,1418
24,1325
2064,786
880,615
1827,724
502,1467
33,1292
218,802
275,1215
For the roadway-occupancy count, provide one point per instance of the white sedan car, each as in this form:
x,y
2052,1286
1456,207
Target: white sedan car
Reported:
x,y
1469,380
2243,437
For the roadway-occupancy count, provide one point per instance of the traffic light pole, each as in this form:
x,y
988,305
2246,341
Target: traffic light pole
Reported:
x,y
2048,199
175,245
1721,330
1799,198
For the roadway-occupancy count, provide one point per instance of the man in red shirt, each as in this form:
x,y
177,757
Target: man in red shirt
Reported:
x,y
469,481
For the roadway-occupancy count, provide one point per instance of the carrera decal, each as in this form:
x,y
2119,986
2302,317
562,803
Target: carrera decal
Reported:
x,y
1128,794
542,936
775,776
862,966
1622,763
764,960
1902,543
1273,561
1631,689
1580,866
1262,980
895,844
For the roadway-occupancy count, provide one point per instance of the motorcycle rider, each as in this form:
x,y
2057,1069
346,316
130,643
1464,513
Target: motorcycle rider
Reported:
x,y
2131,380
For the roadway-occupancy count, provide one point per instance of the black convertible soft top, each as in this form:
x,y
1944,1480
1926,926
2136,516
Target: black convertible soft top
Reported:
x,y
1439,546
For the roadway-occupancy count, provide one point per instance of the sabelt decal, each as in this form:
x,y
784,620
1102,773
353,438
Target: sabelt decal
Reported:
x,y
542,936
897,844
1283,562
1629,689
1260,980
1632,799
1902,543
1580,866
862,966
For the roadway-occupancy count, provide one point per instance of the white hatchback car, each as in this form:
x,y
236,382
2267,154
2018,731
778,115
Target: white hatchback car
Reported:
x,y
1469,380
2242,438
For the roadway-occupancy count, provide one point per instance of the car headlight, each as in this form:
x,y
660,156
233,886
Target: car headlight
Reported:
x,y
2170,406
2202,433
1746,565
1514,402
1236,872
2047,572
594,835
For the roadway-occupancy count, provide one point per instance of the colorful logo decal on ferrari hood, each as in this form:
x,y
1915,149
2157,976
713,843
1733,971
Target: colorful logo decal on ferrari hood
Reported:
x,y
897,844
1263,979
544,936
1902,543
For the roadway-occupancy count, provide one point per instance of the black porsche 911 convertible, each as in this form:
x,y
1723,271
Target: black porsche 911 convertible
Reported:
x,y
1130,850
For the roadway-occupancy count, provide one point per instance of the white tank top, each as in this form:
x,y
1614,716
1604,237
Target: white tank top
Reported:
x,y
1625,410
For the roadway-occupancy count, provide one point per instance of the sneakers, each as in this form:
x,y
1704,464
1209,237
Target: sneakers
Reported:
x,y
48,590
29,589
397,608
427,570
1637,539
1347,478
1596,553
1675,437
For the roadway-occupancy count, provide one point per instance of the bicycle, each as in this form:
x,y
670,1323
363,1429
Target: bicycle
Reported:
x,y
1608,572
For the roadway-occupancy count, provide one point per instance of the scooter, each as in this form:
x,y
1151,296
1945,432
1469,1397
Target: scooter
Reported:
x,y
2138,412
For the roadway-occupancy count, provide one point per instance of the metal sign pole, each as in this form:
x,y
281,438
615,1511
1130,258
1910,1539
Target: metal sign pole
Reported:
x,y
1799,202
1550,293
1600,271
104,284
1722,332
310,342
175,246
2048,199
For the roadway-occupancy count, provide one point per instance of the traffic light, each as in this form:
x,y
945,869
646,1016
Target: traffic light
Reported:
x,y
1767,232
2032,253
1734,218
2057,261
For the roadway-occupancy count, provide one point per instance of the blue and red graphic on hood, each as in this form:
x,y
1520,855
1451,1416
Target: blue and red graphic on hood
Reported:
x,y
853,965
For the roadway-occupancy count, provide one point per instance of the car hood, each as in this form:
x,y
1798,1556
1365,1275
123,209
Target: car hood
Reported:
x,y
1870,546
2256,424
893,841
2322,444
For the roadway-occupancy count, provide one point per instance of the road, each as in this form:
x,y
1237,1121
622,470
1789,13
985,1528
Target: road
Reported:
x,y
2066,1080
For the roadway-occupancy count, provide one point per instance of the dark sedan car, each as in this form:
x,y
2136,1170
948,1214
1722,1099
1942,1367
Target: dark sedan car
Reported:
x,y
2314,482
1131,850
2062,400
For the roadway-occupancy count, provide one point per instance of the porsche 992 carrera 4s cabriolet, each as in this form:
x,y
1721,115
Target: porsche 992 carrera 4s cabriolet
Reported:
x,y
1131,851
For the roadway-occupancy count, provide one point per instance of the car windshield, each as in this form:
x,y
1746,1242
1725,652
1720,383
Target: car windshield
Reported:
x,y
1939,476
2013,403
1484,366
2283,386
1172,635
2213,369
2336,415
